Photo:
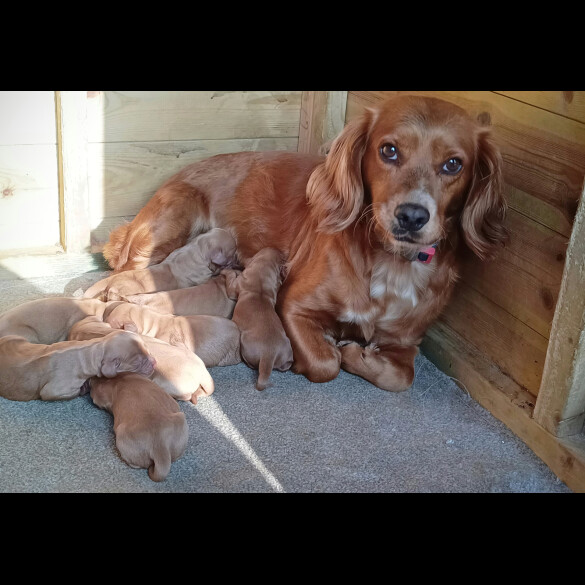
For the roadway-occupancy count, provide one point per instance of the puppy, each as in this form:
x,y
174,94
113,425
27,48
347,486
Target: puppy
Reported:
x,y
178,371
151,431
32,371
215,340
194,263
37,363
209,298
263,342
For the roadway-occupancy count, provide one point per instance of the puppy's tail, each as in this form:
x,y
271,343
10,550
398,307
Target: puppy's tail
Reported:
x,y
160,466
264,370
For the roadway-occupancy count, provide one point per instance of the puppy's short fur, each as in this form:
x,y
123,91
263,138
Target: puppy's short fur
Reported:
x,y
209,298
193,264
37,363
178,371
263,342
215,340
151,431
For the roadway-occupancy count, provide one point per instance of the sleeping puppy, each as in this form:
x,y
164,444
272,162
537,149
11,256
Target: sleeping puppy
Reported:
x,y
195,263
178,371
263,342
209,298
36,361
215,340
151,431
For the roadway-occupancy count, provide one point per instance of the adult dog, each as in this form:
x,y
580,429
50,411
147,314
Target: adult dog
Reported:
x,y
355,227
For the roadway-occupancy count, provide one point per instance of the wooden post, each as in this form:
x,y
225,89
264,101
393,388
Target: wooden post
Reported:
x,y
71,107
560,406
322,118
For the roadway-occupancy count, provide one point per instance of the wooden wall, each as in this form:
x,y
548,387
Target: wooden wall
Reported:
x,y
136,140
29,190
505,308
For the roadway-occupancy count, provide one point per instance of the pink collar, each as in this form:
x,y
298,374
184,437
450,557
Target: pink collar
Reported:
x,y
426,254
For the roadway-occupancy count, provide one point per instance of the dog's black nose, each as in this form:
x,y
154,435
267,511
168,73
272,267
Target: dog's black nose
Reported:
x,y
411,216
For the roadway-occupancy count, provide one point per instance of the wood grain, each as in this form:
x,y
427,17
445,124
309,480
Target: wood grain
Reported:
x,y
29,196
132,116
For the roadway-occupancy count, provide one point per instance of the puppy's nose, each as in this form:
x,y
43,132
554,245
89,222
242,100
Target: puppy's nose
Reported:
x,y
411,217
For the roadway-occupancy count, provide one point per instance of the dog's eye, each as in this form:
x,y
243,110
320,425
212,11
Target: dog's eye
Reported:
x,y
452,166
389,152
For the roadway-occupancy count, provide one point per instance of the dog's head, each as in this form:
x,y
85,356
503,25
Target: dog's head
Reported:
x,y
421,167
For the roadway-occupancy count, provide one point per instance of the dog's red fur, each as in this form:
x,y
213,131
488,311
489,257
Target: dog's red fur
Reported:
x,y
355,295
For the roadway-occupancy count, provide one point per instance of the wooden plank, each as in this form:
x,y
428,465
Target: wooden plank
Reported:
x,y
72,118
570,104
544,153
124,176
27,117
29,196
518,350
525,277
561,405
322,118
132,116
507,401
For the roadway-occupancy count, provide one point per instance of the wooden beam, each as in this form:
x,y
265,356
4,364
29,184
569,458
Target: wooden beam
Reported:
x,y
560,407
71,109
322,118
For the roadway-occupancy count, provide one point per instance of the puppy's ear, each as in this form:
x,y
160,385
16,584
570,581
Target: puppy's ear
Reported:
x,y
335,189
109,367
482,221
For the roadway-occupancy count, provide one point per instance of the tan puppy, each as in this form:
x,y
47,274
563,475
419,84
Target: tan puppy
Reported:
x,y
209,298
178,371
30,371
194,263
47,320
263,342
215,340
151,431
36,362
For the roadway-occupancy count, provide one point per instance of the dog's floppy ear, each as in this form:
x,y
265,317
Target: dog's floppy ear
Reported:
x,y
335,189
482,220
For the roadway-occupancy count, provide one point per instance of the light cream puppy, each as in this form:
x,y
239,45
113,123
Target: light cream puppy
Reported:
x,y
37,363
215,340
151,431
263,342
209,298
194,263
178,371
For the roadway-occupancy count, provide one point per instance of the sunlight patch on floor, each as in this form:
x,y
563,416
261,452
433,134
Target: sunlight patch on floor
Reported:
x,y
214,414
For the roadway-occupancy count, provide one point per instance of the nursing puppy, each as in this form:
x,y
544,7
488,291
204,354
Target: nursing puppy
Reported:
x,y
151,431
209,298
263,342
178,371
215,340
37,363
193,264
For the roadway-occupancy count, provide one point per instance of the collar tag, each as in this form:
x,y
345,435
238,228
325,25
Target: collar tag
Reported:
x,y
426,254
